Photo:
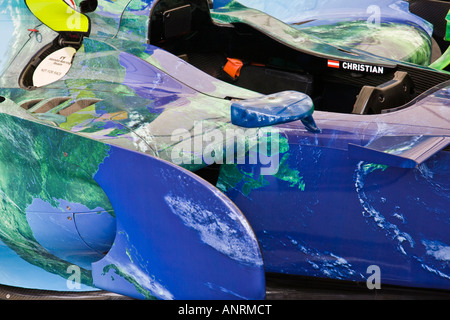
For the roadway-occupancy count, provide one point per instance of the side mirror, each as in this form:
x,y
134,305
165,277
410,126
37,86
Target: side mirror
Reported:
x,y
277,108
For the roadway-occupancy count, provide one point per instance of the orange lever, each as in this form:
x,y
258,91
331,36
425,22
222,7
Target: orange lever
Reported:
x,y
233,67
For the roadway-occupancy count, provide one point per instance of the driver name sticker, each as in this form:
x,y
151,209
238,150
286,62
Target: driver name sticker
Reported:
x,y
354,66
54,67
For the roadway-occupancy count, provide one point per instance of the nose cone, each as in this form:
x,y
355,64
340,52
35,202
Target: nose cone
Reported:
x,y
7,30
15,20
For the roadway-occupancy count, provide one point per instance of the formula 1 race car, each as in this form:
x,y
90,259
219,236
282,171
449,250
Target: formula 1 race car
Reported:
x,y
171,150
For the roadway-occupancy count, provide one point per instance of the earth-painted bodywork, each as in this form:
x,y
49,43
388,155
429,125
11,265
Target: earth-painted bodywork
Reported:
x,y
334,221
324,211
385,28
55,232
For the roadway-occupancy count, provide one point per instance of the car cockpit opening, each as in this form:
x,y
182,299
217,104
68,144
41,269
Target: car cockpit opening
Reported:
x,y
269,64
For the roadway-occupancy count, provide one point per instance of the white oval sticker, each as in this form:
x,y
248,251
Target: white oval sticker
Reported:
x,y
53,67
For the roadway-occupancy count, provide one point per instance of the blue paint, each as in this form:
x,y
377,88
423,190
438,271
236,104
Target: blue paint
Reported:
x,y
195,234
331,213
351,213
17,272
149,82
220,3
